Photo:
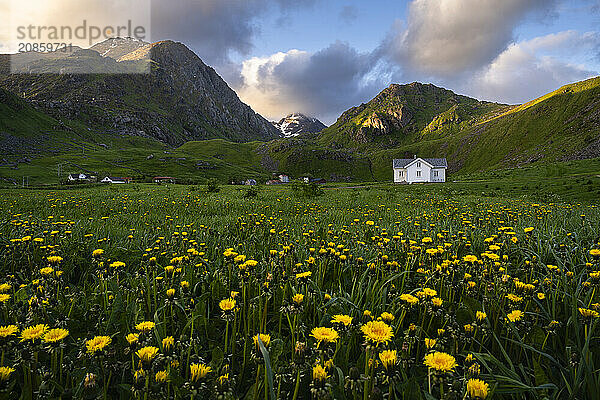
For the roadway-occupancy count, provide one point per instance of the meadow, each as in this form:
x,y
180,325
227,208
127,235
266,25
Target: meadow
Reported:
x,y
384,292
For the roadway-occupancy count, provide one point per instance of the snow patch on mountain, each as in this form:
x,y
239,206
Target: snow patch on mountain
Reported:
x,y
296,124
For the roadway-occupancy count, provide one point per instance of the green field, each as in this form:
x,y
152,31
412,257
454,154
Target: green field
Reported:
x,y
380,291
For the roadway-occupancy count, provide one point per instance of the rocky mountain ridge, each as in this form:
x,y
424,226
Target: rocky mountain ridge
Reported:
x,y
179,98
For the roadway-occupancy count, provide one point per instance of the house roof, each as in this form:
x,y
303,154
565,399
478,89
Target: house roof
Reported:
x,y
434,162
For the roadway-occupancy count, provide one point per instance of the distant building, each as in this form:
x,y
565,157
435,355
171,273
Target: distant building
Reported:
x,y
250,182
307,179
163,179
113,179
284,178
417,170
80,177
274,182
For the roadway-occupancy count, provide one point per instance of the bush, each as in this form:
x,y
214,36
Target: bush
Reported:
x,y
251,192
309,190
212,186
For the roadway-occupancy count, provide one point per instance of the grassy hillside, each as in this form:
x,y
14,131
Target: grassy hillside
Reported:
x,y
560,126
142,159
474,136
402,114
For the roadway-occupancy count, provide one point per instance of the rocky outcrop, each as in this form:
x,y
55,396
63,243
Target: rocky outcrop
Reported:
x,y
384,121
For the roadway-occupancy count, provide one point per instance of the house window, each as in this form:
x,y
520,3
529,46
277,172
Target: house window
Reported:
x,y
418,164
418,173
435,173
401,173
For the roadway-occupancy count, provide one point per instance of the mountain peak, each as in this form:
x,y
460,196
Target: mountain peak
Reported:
x,y
401,112
297,123
178,97
116,48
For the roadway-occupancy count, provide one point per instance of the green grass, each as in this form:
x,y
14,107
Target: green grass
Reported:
x,y
363,247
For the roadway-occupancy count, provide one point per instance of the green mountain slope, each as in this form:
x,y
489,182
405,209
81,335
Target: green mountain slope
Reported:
x,y
402,114
403,120
563,125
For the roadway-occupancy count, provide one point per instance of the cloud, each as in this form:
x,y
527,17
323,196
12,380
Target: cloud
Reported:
x,y
323,83
445,38
348,14
531,68
215,28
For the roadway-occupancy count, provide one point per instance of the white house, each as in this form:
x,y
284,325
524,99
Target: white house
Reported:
x,y
112,179
284,178
79,177
416,170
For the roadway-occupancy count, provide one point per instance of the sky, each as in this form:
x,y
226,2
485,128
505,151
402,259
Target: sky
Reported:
x,y
321,57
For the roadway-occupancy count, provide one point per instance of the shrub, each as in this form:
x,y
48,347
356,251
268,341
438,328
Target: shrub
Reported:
x,y
212,186
309,190
251,192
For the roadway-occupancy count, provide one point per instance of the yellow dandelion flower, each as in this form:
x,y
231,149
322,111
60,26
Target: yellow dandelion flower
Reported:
x,y
9,330
515,315
132,338
266,339
34,332
387,317
298,298
5,373
54,260
147,354
323,334
319,373
587,313
227,304
388,358
345,320
477,389
98,343
168,343
409,298
439,361
377,332
161,376
470,258
55,335
145,326
199,371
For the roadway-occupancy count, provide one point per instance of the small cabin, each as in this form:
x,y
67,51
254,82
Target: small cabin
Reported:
x,y
284,178
163,179
419,170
